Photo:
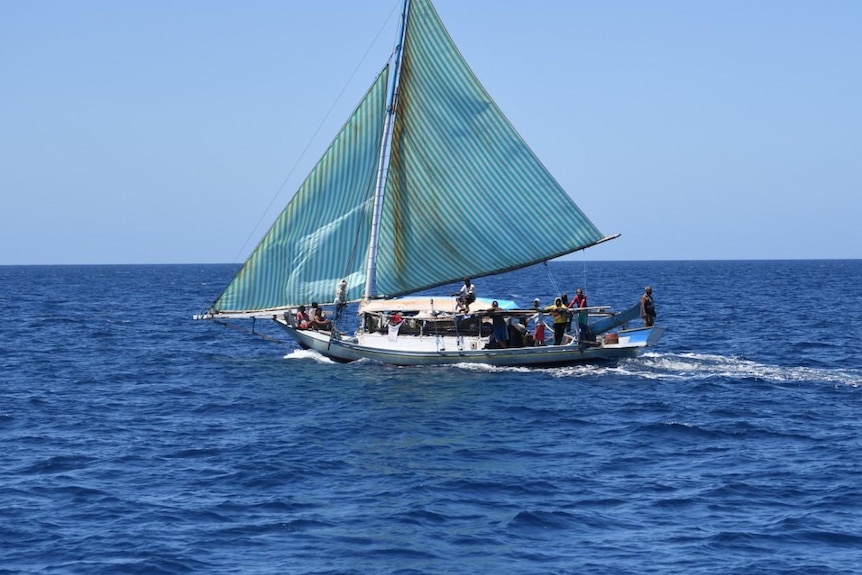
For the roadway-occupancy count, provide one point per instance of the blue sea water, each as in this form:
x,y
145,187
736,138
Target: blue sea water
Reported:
x,y
135,440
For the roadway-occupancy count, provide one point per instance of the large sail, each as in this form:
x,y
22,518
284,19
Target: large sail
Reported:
x,y
322,235
465,195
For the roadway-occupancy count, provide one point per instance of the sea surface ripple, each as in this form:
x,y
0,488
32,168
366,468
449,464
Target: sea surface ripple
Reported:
x,y
137,441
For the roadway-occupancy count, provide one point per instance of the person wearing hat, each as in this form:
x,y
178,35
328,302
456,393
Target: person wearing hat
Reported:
x,y
539,325
560,313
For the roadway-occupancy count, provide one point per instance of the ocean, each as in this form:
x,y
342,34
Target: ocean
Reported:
x,y
134,440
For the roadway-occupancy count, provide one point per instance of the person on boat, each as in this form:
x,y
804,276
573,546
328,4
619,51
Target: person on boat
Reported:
x,y
647,307
394,325
517,331
319,319
301,318
539,325
579,302
340,298
565,298
560,313
500,332
466,296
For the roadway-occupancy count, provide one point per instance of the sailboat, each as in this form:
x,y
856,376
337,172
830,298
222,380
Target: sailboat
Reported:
x,y
411,196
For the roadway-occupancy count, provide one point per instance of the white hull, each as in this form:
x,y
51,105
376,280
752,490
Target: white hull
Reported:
x,y
430,350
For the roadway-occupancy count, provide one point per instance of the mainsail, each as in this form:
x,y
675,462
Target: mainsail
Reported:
x,y
462,194
464,189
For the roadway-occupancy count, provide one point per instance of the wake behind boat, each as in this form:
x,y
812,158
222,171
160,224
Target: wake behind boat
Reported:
x,y
411,195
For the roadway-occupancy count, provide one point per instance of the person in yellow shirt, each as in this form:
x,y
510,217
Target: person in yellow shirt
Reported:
x,y
560,313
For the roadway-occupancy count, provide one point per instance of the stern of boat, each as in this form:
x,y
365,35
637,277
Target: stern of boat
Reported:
x,y
637,337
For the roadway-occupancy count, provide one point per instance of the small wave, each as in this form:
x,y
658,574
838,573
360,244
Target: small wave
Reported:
x,y
542,519
308,354
58,464
302,525
677,429
490,368
593,370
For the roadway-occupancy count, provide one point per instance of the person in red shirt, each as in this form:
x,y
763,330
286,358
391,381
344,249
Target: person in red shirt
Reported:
x,y
539,326
580,301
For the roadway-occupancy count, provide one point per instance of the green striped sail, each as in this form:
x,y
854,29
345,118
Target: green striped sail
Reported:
x,y
461,198
464,189
322,235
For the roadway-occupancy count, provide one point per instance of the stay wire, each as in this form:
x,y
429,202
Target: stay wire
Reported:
x,y
244,329
313,137
585,276
552,280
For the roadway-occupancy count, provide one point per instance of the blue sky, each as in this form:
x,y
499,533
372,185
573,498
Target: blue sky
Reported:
x,y
162,132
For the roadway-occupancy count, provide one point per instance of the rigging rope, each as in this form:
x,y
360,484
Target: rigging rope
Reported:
x,y
243,329
585,276
552,281
313,137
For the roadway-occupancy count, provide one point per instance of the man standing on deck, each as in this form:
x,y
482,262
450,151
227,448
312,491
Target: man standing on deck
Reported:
x,y
647,307
560,313
579,302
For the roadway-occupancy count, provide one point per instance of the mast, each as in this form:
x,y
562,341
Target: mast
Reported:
x,y
383,163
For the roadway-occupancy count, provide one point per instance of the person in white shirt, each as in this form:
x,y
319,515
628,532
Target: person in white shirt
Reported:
x,y
466,296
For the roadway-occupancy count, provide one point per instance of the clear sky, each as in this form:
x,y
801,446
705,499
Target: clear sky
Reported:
x,y
162,131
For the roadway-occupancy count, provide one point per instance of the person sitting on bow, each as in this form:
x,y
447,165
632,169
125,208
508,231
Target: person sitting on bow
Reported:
x,y
301,318
319,319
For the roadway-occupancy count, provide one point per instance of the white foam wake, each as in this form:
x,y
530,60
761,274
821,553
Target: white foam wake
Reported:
x,y
308,354
693,366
